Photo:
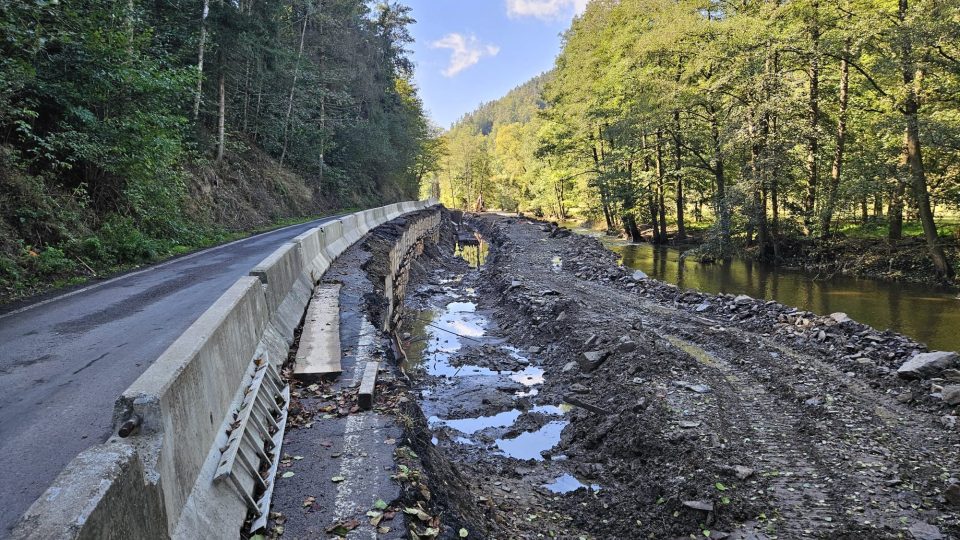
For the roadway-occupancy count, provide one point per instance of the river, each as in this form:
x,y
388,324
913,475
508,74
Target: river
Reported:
x,y
926,313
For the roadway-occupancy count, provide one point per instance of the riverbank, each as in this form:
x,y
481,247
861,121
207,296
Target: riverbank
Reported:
x,y
561,395
906,260
870,256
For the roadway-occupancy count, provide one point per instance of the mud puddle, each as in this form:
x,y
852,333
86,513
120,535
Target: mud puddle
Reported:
x,y
566,483
482,397
479,404
473,250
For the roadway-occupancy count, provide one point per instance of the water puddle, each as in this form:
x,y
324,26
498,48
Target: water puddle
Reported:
x,y
530,376
553,410
505,419
445,333
516,354
567,483
530,444
469,426
473,251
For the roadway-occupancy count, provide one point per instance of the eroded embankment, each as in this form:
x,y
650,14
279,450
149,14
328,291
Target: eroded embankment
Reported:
x,y
562,396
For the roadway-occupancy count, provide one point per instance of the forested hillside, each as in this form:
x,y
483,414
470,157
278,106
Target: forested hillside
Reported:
x,y
132,130
772,122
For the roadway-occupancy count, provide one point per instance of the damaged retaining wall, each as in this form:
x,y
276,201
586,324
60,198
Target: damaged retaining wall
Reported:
x,y
407,249
159,481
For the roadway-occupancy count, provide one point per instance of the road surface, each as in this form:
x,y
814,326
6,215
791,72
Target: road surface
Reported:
x,y
64,361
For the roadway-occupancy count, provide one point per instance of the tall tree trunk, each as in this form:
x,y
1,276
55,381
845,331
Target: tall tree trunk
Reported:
x,y
293,85
837,168
256,114
723,212
202,46
878,205
678,173
912,78
759,192
813,115
246,94
651,199
661,206
896,210
222,114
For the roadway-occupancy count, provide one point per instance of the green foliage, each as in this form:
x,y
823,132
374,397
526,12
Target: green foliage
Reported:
x,y
729,112
98,130
53,261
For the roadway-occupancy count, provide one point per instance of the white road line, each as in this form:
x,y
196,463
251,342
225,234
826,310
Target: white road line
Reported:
x,y
150,269
353,468
353,464
364,349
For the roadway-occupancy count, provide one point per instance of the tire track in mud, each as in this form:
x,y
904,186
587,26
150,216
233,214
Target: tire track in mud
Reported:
x,y
866,444
803,501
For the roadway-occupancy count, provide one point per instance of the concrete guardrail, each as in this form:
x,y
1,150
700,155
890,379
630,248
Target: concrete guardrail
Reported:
x,y
159,481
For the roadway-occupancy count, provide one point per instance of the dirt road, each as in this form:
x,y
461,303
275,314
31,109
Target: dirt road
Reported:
x,y
564,396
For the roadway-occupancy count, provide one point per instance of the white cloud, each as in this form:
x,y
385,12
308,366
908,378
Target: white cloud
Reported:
x,y
465,51
544,9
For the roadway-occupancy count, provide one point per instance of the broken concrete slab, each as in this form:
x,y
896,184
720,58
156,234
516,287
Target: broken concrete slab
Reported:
x,y
319,351
368,385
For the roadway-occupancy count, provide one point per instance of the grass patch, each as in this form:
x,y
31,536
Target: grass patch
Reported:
x,y
881,229
112,251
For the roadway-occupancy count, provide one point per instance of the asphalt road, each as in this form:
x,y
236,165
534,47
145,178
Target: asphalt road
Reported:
x,y
64,360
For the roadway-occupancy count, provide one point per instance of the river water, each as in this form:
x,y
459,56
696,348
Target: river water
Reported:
x,y
926,313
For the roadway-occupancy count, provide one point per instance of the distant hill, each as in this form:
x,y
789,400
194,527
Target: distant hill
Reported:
x,y
518,105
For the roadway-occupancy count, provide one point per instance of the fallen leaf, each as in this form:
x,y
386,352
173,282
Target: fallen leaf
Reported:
x,y
337,479
287,474
463,533
341,528
380,504
421,515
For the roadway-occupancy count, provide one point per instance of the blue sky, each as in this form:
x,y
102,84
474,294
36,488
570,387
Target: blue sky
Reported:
x,y
471,51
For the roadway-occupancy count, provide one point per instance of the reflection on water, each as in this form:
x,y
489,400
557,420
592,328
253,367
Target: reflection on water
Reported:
x,y
475,253
566,483
530,444
928,314
469,426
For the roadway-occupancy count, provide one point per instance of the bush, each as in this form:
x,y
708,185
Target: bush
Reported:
x,y
53,261
126,243
9,271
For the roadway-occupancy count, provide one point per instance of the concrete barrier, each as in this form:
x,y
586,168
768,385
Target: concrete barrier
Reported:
x,y
103,479
159,482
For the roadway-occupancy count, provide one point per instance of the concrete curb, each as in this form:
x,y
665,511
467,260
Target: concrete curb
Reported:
x,y
159,482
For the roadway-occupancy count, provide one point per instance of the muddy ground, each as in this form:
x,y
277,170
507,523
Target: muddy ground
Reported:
x,y
553,393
